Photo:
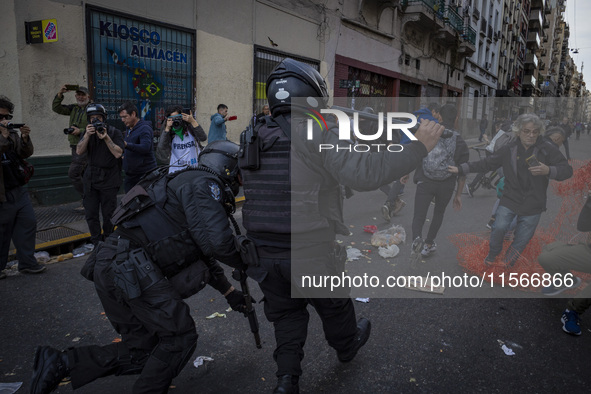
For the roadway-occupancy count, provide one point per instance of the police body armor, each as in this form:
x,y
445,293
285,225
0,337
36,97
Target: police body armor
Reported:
x,y
142,218
290,192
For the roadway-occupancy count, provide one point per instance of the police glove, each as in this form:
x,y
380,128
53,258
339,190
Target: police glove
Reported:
x,y
237,301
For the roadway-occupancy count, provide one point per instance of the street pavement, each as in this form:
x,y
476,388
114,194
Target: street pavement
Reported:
x,y
418,345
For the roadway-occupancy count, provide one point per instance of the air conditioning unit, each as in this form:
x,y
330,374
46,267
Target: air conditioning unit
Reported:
x,y
506,19
504,53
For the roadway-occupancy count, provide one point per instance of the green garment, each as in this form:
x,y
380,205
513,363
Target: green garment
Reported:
x,y
77,116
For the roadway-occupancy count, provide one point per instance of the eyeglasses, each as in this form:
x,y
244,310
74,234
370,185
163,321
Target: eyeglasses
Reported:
x,y
531,132
7,117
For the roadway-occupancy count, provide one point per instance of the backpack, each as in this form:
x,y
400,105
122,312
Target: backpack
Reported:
x,y
503,140
436,163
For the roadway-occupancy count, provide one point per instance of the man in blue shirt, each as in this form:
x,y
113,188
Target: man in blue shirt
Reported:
x,y
138,157
217,129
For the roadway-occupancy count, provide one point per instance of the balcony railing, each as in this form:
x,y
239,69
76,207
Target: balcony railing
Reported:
x,y
470,35
429,3
453,19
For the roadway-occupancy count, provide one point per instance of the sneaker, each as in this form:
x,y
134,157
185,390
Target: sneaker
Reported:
x,y
363,331
417,245
489,261
490,223
50,367
398,205
2,274
36,269
386,212
552,290
570,322
428,249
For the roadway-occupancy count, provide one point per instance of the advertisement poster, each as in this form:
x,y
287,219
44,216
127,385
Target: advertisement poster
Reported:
x,y
146,62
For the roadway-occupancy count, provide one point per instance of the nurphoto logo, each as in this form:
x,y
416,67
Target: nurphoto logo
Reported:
x,y
402,121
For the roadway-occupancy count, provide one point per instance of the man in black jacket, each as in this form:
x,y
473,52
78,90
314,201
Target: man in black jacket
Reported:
x,y
528,163
294,209
170,230
102,177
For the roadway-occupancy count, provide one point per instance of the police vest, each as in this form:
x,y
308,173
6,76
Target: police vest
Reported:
x,y
141,217
290,192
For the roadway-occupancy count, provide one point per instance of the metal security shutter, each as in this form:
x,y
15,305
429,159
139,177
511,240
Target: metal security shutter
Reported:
x,y
265,61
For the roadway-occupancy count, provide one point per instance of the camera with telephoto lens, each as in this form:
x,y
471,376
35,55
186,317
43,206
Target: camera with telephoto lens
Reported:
x,y
100,127
70,129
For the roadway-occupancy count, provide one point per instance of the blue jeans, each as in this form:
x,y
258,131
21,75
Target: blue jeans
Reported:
x,y
524,231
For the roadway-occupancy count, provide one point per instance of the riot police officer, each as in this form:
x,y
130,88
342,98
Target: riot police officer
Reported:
x,y
293,210
170,228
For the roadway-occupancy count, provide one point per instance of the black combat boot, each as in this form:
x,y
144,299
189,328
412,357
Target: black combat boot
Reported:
x,y
363,331
50,367
287,384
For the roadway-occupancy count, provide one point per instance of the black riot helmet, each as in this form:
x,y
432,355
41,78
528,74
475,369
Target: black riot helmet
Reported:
x,y
295,79
96,109
222,158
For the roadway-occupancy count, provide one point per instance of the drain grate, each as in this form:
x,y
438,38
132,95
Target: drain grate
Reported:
x,y
51,217
56,233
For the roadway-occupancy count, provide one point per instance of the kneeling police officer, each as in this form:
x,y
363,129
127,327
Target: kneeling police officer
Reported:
x,y
170,230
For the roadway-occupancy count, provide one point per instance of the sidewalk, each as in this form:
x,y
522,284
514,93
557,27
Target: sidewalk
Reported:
x,y
60,225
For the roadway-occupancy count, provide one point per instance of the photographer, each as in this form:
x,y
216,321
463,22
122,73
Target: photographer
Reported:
x,y
17,218
180,139
102,177
77,123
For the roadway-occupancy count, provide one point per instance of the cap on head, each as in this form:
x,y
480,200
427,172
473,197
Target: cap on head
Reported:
x,y
83,89
96,109
291,78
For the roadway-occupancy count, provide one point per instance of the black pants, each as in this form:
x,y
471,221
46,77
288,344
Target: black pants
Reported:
x,y
442,191
18,222
76,170
290,316
393,191
157,330
99,201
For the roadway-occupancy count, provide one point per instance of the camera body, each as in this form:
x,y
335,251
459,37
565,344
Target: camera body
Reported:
x,y
100,127
177,122
11,126
70,129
